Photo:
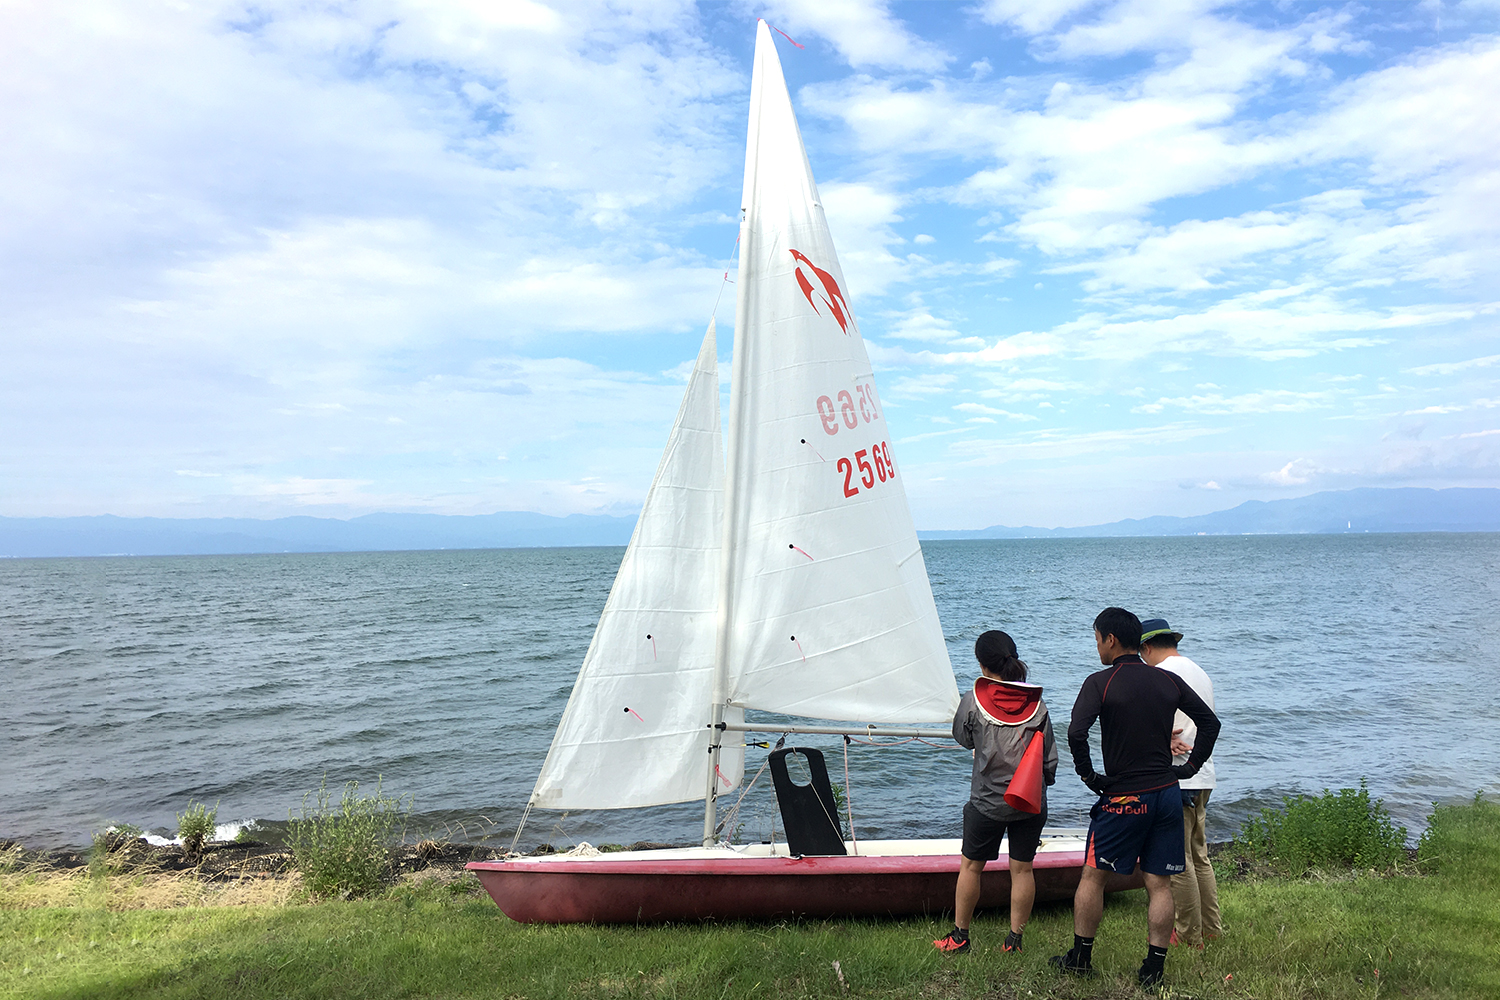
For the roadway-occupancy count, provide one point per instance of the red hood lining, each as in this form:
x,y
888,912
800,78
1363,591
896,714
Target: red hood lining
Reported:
x,y
1009,703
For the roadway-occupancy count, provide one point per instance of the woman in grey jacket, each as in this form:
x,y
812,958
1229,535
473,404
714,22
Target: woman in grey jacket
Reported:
x,y
997,719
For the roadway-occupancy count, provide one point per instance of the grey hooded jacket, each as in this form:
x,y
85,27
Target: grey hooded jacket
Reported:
x,y
999,738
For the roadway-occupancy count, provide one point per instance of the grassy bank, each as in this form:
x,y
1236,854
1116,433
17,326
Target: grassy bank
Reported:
x,y
1432,933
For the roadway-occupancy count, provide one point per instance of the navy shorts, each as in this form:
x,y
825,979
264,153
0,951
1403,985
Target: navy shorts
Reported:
x,y
982,835
1144,827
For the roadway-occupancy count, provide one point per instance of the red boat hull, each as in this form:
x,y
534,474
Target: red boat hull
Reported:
x,y
606,891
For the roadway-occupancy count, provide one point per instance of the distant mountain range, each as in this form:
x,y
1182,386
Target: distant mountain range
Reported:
x,y
1334,512
1345,511
108,535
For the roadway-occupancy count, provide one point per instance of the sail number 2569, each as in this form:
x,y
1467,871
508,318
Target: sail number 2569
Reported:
x,y
874,464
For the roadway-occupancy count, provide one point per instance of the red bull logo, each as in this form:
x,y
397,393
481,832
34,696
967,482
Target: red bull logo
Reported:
x,y
826,291
1125,805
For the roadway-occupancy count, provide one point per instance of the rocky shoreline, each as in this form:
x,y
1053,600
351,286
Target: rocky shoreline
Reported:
x,y
252,858
230,859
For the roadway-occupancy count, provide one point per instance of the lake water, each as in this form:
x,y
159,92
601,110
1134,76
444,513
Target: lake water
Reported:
x,y
132,685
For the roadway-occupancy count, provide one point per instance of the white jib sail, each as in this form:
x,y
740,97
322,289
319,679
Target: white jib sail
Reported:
x,y
633,733
828,608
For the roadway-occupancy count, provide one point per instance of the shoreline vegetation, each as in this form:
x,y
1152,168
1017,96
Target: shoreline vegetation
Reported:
x,y
1368,917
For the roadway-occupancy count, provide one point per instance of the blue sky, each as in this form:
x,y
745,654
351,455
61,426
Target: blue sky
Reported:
x,y
1112,259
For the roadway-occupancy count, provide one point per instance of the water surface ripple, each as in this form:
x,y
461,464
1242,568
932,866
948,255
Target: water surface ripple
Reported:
x,y
134,684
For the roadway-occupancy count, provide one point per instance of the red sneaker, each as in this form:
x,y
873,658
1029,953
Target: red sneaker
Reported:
x,y
948,944
1176,942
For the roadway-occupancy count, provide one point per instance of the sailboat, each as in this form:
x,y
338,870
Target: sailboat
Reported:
x,y
786,579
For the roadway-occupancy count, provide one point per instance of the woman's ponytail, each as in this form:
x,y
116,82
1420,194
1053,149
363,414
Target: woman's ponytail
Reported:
x,y
996,653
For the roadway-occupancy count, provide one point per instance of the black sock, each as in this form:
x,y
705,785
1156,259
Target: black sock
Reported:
x,y
1084,948
1013,939
1156,958
959,933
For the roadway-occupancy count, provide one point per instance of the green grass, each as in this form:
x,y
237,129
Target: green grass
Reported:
x,y
1432,935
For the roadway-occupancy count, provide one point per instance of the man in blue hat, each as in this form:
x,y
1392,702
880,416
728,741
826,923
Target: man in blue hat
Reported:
x,y
1195,892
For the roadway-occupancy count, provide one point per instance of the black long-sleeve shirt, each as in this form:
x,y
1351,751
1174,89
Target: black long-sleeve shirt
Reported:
x,y
1134,704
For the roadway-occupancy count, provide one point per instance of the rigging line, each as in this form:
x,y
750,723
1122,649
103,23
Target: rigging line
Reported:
x,y
521,826
911,739
734,813
733,254
849,797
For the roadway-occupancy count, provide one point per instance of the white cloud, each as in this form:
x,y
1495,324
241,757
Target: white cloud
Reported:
x,y
926,384
1075,170
862,31
1424,128
1452,367
1005,350
336,257
1297,472
988,411
920,324
1189,255
1265,401
1272,324
212,130
303,492
1032,16
383,283
1025,388
862,216
1057,443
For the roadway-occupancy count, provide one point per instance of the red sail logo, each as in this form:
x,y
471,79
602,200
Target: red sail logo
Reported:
x,y
829,293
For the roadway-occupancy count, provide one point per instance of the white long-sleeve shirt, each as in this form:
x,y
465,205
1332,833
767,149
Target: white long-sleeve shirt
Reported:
x,y
1204,688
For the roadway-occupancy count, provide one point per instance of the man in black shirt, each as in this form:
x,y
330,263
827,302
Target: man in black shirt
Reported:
x,y
1138,818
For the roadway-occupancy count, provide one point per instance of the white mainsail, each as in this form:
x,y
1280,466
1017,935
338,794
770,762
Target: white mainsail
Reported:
x,y
633,731
794,583
827,609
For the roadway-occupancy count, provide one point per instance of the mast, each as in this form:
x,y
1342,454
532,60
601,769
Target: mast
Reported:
x,y
729,556
727,567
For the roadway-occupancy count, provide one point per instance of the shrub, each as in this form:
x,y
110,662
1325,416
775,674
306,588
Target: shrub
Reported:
x,y
343,848
1343,829
12,857
106,854
196,827
118,835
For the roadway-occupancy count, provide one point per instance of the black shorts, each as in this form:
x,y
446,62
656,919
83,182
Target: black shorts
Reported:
x,y
1144,827
982,835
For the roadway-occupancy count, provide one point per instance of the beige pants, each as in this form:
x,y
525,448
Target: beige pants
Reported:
x,y
1195,892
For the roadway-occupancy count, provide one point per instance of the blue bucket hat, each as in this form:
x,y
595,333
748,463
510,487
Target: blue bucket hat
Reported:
x,y
1153,627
